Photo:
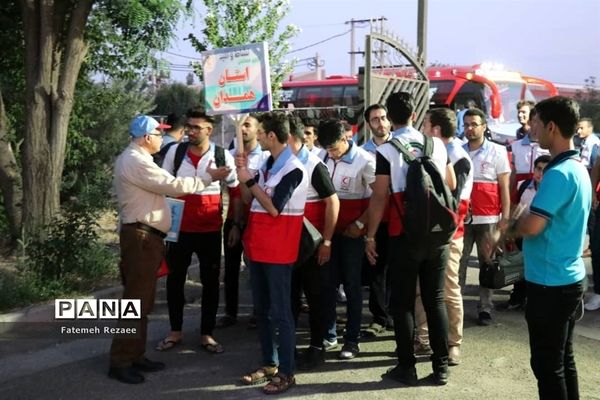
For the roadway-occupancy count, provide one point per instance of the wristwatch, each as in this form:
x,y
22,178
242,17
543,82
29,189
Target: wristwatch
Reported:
x,y
359,224
327,243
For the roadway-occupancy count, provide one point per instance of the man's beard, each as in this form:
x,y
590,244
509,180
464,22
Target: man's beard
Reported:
x,y
380,134
195,141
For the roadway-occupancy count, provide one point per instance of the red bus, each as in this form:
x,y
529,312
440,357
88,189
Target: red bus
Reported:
x,y
494,90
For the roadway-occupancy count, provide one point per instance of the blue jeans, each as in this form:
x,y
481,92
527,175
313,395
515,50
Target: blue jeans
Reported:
x,y
550,319
271,292
346,267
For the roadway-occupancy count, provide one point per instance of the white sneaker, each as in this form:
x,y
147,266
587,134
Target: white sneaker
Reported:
x,y
327,345
593,302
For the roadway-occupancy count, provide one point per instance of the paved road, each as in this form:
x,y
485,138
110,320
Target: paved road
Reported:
x,y
495,362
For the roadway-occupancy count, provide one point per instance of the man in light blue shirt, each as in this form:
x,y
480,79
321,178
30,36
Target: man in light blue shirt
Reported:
x,y
554,233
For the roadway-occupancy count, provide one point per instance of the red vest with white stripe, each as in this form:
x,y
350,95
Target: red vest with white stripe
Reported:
x,y
489,161
275,240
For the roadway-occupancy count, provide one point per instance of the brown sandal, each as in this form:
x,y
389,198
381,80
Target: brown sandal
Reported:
x,y
261,375
279,384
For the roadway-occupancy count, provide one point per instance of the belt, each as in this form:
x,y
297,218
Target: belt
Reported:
x,y
147,228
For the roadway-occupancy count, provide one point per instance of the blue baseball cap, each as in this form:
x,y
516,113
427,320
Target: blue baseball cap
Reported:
x,y
142,125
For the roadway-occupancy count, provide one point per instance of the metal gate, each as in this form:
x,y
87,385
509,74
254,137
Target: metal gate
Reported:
x,y
391,65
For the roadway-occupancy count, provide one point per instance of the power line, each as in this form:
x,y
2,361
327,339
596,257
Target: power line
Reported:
x,y
181,55
322,41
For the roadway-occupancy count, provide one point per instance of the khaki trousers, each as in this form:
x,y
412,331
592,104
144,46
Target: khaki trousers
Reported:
x,y
453,298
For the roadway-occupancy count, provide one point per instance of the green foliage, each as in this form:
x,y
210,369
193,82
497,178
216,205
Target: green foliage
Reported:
x,y
589,101
17,289
97,134
238,22
177,98
71,259
63,252
71,256
124,34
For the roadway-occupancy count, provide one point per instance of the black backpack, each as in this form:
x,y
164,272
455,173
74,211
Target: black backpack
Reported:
x,y
430,211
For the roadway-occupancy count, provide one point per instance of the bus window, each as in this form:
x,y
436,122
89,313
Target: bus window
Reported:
x,y
439,92
287,96
470,91
510,92
350,96
323,96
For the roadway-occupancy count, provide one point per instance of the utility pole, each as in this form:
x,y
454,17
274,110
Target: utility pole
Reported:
x,y
353,22
422,31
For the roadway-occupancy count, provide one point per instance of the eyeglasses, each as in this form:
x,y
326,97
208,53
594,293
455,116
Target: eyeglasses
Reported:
x,y
473,125
383,118
156,134
195,128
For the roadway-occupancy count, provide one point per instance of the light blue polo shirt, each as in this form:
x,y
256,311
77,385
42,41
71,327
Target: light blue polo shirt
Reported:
x,y
564,197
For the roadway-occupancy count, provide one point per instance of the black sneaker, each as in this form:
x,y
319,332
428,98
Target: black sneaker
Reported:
x,y
126,375
484,319
405,376
146,365
312,358
226,321
440,376
349,351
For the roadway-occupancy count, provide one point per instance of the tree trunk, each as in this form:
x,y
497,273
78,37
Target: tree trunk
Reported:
x,y
11,185
54,52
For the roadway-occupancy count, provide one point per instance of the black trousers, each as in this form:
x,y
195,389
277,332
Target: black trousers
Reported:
x,y
550,316
595,247
233,260
428,263
378,291
312,278
207,247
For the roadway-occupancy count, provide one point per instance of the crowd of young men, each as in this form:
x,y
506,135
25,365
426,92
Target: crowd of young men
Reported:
x,y
354,196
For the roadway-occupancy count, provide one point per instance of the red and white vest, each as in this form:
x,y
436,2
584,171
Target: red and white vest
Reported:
x,y
524,153
256,158
456,153
275,240
412,140
351,175
489,161
202,210
314,210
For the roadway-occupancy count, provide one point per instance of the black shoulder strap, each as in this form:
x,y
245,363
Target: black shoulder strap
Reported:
x,y
160,156
427,146
179,155
522,188
408,156
219,156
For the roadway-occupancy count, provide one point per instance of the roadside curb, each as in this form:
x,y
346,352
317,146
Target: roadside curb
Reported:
x,y
45,312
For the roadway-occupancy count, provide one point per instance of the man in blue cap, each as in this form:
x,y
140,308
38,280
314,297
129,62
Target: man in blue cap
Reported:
x,y
141,187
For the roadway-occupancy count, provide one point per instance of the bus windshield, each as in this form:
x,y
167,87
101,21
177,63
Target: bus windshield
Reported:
x,y
510,93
